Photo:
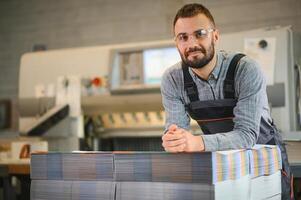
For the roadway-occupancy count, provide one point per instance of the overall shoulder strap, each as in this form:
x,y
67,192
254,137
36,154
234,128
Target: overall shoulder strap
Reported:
x,y
229,87
189,85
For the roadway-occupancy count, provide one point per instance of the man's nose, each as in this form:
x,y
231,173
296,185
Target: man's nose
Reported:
x,y
192,40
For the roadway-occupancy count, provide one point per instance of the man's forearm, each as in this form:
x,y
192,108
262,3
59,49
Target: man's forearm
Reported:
x,y
227,141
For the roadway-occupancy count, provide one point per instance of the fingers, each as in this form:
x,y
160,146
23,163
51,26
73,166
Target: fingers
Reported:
x,y
172,127
173,143
175,135
174,139
180,140
179,148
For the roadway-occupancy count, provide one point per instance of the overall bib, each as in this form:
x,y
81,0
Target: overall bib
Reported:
x,y
215,116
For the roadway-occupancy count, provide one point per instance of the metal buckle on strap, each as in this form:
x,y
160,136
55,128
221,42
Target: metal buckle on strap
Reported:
x,y
191,88
191,91
188,84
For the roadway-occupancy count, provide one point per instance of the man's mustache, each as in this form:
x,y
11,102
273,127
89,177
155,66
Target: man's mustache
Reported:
x,y
191,50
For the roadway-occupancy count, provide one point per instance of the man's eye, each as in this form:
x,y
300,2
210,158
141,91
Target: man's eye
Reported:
x,y
183,37
200,33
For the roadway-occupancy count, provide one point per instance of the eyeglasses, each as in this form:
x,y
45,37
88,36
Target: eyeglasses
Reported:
x,y
198,34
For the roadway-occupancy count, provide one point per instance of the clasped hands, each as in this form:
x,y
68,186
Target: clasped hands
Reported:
x,y
180,140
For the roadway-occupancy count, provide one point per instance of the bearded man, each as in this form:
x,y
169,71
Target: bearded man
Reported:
x,y
225,93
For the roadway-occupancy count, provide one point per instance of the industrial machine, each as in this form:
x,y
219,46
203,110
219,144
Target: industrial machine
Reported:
x,y
108,97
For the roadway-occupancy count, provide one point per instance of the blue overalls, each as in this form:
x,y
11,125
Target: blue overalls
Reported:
x,y
216,116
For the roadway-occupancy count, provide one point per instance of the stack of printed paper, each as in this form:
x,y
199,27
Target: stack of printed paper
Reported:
x,y
72,166
162,175
72,190
237,174
265,169
72,176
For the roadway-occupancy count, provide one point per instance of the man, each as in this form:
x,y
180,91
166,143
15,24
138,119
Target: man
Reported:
x,y
224,93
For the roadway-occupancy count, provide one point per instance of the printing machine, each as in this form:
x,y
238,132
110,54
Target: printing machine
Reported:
x,y
108,97
96,104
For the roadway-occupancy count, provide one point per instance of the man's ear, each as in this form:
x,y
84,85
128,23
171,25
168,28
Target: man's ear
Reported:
x,y
216,36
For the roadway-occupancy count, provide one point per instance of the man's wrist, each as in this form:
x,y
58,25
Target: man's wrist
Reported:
x,y
200,143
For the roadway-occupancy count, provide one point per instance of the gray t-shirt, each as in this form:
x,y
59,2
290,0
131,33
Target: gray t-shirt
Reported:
x,y
250,91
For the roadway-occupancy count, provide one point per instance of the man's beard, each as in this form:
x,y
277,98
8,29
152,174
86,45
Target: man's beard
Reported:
x,y
198,63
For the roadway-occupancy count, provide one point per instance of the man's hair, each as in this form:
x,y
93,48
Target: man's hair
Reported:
x,y
191,10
